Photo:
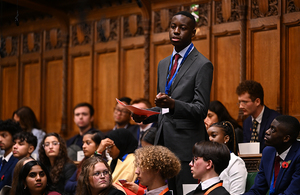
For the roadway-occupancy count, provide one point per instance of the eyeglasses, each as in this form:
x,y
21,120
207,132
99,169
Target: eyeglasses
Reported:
x,y
193,160
47,144
122,111
108,148
243,102
100,174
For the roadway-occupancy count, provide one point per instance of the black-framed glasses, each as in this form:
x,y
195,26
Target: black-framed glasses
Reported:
x,y
194,159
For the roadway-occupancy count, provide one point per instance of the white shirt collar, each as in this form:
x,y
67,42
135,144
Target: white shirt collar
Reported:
x,y
208,183
259,118
284,154
8,156
182,52
157,190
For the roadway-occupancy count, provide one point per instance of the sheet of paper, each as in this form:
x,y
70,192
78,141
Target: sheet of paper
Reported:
x,y
249,148
136,110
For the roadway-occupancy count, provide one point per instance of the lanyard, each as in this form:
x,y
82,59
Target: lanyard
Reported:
x,y
212,188
168,85
164,191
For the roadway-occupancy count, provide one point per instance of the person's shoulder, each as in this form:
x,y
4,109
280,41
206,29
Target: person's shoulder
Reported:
x,y
271,112
115,191
219,191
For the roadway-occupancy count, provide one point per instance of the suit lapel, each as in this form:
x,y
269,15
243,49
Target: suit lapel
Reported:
x,y
290,156
183,68
264,120
164,70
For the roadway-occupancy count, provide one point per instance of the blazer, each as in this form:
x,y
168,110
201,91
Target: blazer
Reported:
x,y
6,172
267,118
191,91
288,179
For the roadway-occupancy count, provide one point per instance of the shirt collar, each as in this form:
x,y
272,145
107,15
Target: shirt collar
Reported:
x,y
182,52
209,182
259,118
157,190
8,156
284,154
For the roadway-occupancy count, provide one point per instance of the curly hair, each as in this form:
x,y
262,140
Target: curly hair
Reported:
x,y
83,183
60,160
28,120
254,89
158,158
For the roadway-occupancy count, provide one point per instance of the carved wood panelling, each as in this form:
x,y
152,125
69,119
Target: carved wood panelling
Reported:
x,y
53,93
272,9
133,26
81,34
54,39
107,30
9,86
293,6
31,43
11,46
234,16
160,19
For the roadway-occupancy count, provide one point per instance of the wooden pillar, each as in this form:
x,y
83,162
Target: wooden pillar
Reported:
x,y
64,85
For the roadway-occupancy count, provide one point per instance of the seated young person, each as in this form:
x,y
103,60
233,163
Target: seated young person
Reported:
x,y
154,165
120,145
8,129
210,159
53,154
235,175
279,169
24,144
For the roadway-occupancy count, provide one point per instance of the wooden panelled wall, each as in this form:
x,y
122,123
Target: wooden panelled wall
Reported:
x,y
114,54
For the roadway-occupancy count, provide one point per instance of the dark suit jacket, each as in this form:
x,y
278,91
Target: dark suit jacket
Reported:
x,y
267,118
135,130
217,191
7,171
288,180
180,129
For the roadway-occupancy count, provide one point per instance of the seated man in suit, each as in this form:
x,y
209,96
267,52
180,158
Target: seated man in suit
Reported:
x,y
8,129
279,168
24,144
251,101
210,159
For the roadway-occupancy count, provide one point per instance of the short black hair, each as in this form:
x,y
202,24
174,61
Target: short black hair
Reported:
x,y
219,154
187,14
26,136
291,124
125,99
10,126
85,104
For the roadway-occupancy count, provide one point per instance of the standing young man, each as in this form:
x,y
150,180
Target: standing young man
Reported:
x,y
183,92
8,129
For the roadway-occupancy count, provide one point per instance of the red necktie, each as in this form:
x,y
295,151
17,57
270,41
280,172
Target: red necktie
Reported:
x,y
177,56
276,168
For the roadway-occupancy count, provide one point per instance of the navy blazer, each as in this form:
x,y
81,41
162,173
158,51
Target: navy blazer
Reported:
x,y
288,180
267,118
6,172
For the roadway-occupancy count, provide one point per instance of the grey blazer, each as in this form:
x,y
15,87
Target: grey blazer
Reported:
x,y
183,126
